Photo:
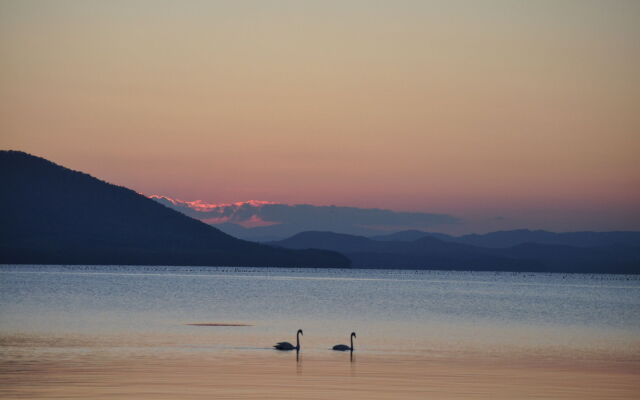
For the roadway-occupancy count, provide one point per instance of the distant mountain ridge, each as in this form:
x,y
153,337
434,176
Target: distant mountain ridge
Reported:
x,y
502,239
429,252
53,215
411,235
267,221
227,217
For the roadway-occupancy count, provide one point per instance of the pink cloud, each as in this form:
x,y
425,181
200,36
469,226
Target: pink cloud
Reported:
x,y
218,213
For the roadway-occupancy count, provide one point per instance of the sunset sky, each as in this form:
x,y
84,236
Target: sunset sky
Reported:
x,y
505,114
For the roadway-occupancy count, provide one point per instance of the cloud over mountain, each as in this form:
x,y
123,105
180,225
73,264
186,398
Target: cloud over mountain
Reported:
x,y
277,219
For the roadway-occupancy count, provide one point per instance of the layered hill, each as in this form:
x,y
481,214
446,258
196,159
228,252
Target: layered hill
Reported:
x,y
53,215
428,252
504,239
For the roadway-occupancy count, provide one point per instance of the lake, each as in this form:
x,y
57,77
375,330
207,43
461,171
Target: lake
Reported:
x,y
462,325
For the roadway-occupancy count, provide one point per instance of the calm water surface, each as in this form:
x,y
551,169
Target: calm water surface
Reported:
x,y
148,309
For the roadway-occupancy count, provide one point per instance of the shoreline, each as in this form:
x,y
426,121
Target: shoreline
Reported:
x,y
351,268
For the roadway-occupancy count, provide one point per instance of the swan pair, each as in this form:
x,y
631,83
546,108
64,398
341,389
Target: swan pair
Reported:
x,y
288,346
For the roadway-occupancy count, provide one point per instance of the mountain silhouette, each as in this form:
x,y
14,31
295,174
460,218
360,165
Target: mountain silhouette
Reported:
x,y
577,239
53,215
428,252
411,235
262,221
503,239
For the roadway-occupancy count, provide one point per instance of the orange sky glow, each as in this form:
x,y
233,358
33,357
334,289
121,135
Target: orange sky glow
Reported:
x,y
504,113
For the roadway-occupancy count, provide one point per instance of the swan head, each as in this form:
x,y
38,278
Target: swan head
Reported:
x,y
300,332
353,334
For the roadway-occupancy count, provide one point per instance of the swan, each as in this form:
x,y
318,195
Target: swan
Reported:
x,y
344,347
289,346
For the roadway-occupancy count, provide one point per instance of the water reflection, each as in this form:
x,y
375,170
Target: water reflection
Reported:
x,y
298,363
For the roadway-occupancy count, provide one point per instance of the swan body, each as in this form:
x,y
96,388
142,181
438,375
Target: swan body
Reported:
x,y
285,346
344,347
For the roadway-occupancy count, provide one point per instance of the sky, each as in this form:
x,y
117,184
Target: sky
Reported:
x,y
503,114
